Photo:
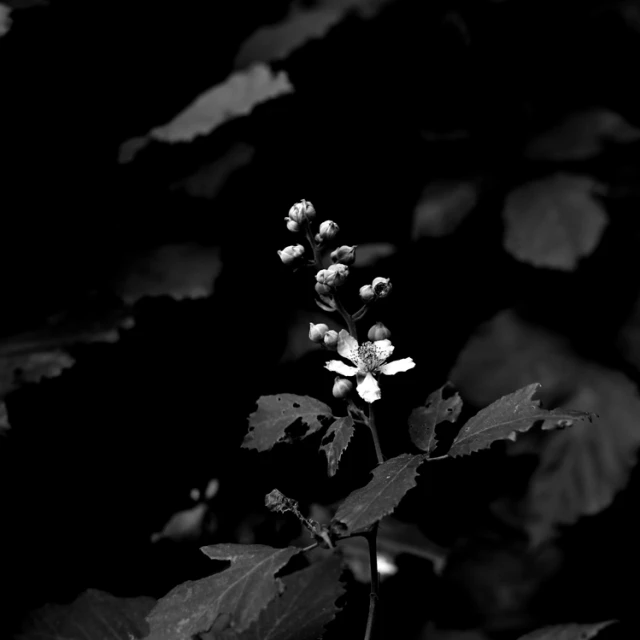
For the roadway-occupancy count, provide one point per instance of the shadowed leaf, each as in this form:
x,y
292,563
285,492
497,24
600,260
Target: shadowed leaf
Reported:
x,y
341,430
568,631
423,420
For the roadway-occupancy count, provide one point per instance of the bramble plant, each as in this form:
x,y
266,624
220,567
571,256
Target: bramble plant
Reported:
x,y
247,600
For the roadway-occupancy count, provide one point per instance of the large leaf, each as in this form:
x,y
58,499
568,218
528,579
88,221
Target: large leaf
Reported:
x,y
240,592
581,136
423,420
391,481
92,615
554,222
335,442
568,631
275,414
516,412
305,608
581,468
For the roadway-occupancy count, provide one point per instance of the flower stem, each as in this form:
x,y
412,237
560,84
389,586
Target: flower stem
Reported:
x,y
317,256
348,318
374,434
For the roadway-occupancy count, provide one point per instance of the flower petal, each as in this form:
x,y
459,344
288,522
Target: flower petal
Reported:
x,y
341,368
384,349
347,346
397,366
368,389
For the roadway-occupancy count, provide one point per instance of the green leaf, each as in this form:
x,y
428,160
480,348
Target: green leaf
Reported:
x,y
341,430
516,412
94,614
581,136
423,420
568,631
240,592
391,481
554,222
275,414
305,608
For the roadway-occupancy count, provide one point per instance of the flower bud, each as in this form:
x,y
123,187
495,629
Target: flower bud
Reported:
x,y
344,255
331,339
367,294
292,225
334,276
378,332
328,230
381,287
342,387
317,331
322,289
291,253
302,211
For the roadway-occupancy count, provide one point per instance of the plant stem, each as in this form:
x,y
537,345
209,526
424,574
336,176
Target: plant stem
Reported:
x,y
348,318
317,256
374,435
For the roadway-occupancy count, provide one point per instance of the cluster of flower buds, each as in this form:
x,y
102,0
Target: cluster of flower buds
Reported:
x,y
328,279
291,254
379,288
328,231
321,334
299,214
344,255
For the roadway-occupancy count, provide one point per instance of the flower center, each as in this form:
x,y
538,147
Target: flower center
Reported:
x,y
370,356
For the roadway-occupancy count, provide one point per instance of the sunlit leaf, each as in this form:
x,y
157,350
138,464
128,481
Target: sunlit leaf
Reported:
x,y
240,592
275,414
391,481
568,631
423,420
581,136
94,614
516,412
554,222
335,442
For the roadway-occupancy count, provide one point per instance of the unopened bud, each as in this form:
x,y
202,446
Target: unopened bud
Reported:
x,y
292,225
344,255
317,331
322,289
381,287
378,332
302,211
331,339
334,276
291,253
342,387
367,294
328,230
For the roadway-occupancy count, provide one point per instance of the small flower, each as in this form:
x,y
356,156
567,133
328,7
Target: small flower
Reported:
x,y
302,211
342,387
367,294
328,230
378,332
370,359
322,289
381,287
334,276
291,253
292,225
344,255
331,339
317,331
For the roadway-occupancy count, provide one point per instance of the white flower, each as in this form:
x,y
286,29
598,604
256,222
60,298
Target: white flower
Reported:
x,y
369,359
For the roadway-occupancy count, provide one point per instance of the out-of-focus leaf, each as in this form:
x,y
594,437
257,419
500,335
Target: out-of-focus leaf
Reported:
x,y
237,96
93,615
240,592
298,343
516,412
302,24
369,254
442,207
305,608
209,180
391,481
568,631
423,420
583,467
5,19
335,442
181,271
554,222
183,525
275,414
581,136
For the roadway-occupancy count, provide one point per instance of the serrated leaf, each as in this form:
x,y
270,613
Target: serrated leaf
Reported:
x,y
240,592
94,614
568,631
423,420
305,608
391,481
275,414
516,412
442,207
581,136
554,222
341,430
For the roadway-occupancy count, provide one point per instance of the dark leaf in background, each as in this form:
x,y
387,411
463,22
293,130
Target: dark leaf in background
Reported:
x,y
568,631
